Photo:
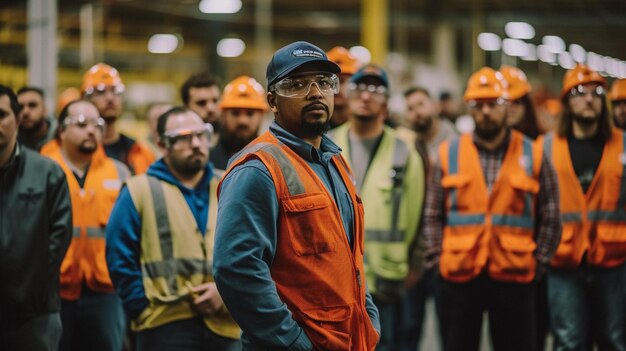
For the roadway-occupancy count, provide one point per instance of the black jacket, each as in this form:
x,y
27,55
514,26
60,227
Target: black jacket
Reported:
x,y
35,232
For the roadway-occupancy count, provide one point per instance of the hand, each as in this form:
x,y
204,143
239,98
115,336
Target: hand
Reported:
x,y
206,299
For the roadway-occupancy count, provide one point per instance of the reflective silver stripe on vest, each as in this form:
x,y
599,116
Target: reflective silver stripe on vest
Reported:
x,y
387,236
175,266
122,170
96,232
290,174
400,159
567,217
75,232
163,226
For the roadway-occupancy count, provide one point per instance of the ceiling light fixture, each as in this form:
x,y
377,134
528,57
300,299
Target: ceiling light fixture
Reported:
x,y
220,6
519,30
163,43
489,41
230,47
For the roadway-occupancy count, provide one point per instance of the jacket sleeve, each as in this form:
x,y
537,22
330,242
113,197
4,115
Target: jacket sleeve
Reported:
x,y
123,250
60,230
245,244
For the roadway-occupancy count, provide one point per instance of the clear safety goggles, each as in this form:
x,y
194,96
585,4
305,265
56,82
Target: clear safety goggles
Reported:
x,y
580,90
82,121
356,89
300,86
182,138
479,104
101,90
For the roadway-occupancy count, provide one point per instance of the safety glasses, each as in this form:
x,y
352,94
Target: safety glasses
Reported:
x,y
82,121
300,86
183,138
580,90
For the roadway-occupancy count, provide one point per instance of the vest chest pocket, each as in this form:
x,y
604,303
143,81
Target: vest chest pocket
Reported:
x,y
310,225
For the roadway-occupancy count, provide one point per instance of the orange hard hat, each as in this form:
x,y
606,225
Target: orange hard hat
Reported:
x,y
618,90
517,83
342,57
68,95
580,74
244,92
100,76
486,83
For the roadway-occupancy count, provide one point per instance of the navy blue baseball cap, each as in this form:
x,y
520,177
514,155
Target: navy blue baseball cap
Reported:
x,y
371,70
294,55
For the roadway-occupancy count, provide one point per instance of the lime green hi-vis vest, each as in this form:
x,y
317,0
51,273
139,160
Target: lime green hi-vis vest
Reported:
x,y
174,254
392,194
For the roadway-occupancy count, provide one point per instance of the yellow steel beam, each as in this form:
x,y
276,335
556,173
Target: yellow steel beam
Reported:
x,y
375,28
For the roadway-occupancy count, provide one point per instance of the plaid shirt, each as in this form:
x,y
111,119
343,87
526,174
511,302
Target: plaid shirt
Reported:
x,y
547,225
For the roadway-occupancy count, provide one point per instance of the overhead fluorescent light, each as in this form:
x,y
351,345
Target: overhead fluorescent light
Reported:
x,y
489,41
220,6
230,47
519,30
163,43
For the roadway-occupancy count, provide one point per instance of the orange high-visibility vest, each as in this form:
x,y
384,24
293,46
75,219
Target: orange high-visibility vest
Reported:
x,y
85,261
489,230
140,157
316,272
593,222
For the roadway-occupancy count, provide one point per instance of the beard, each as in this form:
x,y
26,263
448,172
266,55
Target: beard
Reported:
x,y
489,130
36,126
319,127
87,148
423,126
585,121
236,141
191,165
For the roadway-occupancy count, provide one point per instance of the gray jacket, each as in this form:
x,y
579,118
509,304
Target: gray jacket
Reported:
x,y
35,232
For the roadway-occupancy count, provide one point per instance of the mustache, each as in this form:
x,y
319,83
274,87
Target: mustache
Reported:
x,y
315,106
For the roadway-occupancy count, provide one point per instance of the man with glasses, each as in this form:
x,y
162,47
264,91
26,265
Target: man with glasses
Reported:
x,y
160,244
389,176
491,223
91,312
102,85
587,280
289,239
35,231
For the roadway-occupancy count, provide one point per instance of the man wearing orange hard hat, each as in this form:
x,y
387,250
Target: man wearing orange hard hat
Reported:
x,y
491,223
617,95
522,115
349,65
588,273
103,86
242,107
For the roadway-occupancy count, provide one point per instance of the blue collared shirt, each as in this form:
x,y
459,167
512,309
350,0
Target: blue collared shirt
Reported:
x,y
246,241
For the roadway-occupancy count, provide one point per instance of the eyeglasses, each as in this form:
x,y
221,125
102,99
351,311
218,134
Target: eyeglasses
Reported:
x,y
82,121
357,89
580,90
182,138
300,86
479,104
101,90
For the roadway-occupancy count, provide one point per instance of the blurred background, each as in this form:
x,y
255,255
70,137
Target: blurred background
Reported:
x,y
157,44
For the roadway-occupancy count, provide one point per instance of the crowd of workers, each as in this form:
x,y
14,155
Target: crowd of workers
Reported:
x,y
333,226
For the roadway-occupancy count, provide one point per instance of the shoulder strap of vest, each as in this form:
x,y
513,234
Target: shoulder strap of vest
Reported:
x,y
290,174
122,171
162,219
399,164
